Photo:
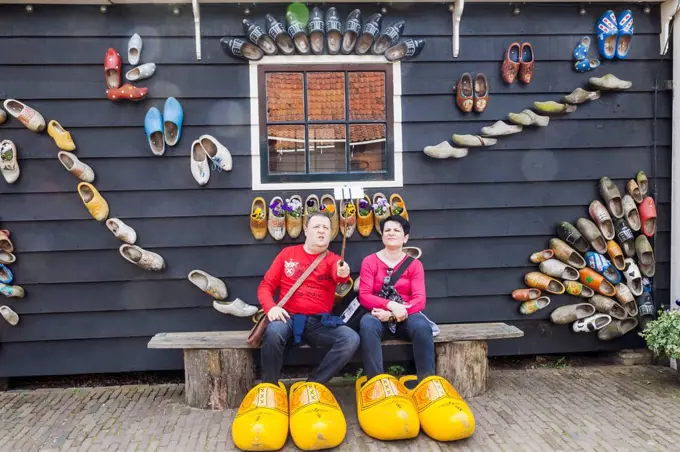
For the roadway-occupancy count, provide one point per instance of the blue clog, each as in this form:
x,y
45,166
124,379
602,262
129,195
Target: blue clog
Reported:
x,y
625,34
581,49
173,115
153,126
6,276
603,266
607,34
586,65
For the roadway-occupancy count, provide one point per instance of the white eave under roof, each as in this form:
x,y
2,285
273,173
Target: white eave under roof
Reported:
x,y
668,10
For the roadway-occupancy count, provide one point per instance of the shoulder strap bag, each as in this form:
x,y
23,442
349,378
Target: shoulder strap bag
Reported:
x,y
257,333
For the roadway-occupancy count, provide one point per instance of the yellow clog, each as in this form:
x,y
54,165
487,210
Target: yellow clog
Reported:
x,y
61,136
385,409
444,415
316,420
261,422
94,201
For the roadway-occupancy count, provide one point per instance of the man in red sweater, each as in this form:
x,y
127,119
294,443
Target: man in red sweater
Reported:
x,y
306,315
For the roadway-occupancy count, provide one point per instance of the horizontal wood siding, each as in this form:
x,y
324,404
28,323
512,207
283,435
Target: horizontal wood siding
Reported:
x,y
476,219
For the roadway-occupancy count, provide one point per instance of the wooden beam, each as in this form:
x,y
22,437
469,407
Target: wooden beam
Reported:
x,y
237,339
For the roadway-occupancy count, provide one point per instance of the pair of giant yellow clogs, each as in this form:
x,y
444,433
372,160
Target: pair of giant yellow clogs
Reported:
x,y
262,421
387,410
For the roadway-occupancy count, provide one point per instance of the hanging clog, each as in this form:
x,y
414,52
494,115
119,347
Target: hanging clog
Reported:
x,y
333,31
200,168
277,32
134,49
153,127
122,231
112,65
173,115
607,32
142,258
61,137
29,117
141,72
9,165
93,200
316,31
74,166
217,152
259,37
369,33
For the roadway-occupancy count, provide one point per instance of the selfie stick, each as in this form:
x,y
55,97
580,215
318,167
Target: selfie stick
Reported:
x,y
343,194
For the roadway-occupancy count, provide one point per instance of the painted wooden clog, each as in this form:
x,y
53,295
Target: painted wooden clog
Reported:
x,y
26,115
61,136
74,166
93,200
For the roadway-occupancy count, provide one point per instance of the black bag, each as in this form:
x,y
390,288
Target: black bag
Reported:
x,y
387,291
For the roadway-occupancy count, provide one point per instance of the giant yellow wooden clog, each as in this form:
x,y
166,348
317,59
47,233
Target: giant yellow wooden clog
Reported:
x,y
261,422
385,408
444,415
316,420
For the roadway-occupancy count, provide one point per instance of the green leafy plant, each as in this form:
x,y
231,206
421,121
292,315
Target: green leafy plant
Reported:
x,y
396,371
354,377
663,334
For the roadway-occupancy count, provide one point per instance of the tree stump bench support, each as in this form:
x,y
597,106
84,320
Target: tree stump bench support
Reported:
x,y
219,368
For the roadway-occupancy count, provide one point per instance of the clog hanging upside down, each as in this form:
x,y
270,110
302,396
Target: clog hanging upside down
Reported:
x,y
316,420
261,422
443,414
385,408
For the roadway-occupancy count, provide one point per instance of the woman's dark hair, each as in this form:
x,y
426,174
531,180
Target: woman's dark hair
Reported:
x,y
405,225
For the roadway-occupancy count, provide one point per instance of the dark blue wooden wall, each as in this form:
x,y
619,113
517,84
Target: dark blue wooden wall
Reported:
x,y
476,219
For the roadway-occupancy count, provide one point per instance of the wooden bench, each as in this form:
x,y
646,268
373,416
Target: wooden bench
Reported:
x,y
219,367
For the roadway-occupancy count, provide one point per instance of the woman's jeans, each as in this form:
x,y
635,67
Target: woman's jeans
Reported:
x,y
415,328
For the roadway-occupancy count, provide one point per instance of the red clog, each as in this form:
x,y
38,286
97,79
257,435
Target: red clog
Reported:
x,y
112,65
647,211
127,92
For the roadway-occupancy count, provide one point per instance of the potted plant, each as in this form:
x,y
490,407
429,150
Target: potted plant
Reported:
x,y
663,334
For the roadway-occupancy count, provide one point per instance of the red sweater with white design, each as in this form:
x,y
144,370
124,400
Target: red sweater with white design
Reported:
x,y
314,296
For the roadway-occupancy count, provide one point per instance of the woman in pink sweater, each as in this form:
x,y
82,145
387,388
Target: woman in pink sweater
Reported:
x,y
394,315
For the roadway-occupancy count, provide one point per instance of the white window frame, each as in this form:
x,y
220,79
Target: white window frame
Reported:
x,y
292,61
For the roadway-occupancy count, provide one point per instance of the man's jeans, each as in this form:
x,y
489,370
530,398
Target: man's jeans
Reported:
x,y
342,340
415,327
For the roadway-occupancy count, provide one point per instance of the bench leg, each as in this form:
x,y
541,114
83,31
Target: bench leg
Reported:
x,y
465,365
217,379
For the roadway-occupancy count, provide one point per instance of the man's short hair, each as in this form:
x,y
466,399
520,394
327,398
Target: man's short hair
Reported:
x,y
405,225
318,214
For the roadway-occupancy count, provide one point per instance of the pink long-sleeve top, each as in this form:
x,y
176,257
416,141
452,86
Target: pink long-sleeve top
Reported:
x,y
411,285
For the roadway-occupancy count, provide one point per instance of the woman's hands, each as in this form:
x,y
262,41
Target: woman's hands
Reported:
x,y
399,310
381,314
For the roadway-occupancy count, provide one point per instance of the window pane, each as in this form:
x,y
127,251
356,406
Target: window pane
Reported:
x,y
326,96
327,148
366,95
285,97
286,149
367,147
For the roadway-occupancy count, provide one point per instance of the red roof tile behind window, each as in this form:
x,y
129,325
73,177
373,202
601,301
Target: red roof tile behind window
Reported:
x,y
325,101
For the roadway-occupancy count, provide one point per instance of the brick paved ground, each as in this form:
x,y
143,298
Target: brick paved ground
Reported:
x,y
609,408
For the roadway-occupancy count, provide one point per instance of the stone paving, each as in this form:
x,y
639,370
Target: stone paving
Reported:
x,y
605,408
